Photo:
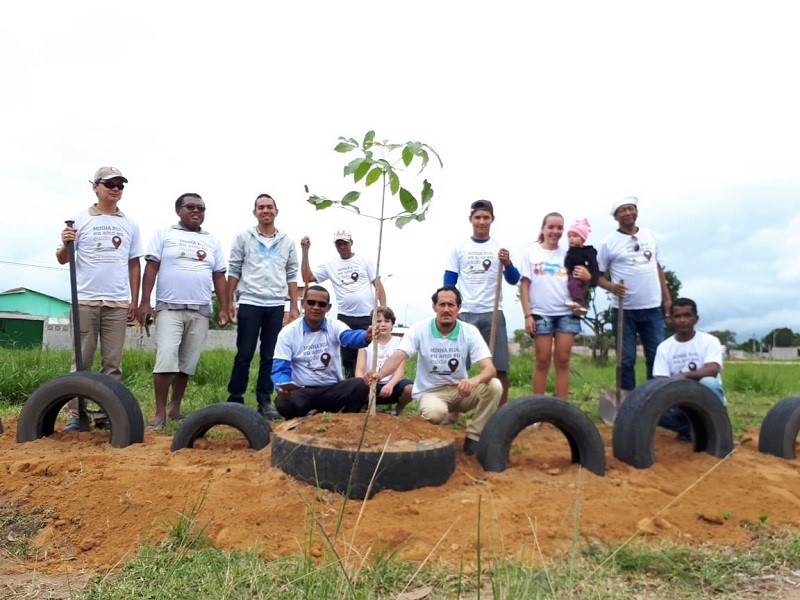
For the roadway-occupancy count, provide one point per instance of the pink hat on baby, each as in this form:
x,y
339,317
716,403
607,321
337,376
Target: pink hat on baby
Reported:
x,y
582,228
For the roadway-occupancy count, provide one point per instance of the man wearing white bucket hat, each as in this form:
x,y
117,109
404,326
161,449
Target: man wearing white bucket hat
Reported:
x,y
628,260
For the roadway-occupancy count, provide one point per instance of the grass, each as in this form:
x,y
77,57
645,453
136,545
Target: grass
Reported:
x,y
186,565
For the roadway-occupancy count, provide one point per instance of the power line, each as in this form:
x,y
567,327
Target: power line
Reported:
x,y
22,263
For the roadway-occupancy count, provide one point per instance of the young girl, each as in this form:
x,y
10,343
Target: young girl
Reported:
x,y
392,388
579,254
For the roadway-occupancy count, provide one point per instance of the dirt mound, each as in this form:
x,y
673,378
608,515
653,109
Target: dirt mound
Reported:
x,y
105,501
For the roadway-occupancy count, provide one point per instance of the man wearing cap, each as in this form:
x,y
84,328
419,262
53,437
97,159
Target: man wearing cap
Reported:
x,y
107,251
188,261
262,272
628,260
352,278
473,265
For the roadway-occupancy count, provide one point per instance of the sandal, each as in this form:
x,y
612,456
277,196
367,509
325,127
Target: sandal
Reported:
x,y
157,424
179,417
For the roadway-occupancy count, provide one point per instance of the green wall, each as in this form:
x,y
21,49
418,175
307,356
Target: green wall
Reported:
x,y
20,333
34,303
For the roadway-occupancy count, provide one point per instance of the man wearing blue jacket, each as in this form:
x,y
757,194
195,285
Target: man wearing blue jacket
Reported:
x,y
306,369
262,272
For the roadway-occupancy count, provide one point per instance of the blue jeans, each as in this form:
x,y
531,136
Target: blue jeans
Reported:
x,y
255,322
676,420
648,324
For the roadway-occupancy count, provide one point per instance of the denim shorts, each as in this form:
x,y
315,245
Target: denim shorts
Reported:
x,y
546,325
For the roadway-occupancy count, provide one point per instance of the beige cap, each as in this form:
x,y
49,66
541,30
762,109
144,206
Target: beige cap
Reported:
x,y
343,235
108,173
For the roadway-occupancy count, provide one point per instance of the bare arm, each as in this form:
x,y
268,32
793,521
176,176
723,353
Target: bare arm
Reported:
x,y
361,362
708,370
230,292
380,291
305,268
666,299
148,282
134,280
465,386
294,311
391,364
221,291
525,300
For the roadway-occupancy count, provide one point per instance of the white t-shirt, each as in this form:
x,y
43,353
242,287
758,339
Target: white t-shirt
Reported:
x,y
476,264
103,246
442,360
633,259
673,357
548,289
352,283
314,354
187,261
384,352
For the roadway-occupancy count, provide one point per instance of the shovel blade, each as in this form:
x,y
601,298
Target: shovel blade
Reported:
x,y
609,406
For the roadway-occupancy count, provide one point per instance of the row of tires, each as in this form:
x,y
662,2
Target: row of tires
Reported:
x,y
632,440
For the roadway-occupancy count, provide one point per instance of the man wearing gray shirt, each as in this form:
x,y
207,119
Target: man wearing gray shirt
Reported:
x,y
261,271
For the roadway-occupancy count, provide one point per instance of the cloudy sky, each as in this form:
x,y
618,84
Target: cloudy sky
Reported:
x,y
691,106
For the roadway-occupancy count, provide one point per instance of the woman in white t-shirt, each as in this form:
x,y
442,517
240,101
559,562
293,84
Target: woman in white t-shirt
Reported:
x,y
392,388
544,297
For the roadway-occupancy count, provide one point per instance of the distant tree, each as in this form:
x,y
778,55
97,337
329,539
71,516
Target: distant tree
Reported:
x,y
673,284
522,338
781,337
725,337
752,345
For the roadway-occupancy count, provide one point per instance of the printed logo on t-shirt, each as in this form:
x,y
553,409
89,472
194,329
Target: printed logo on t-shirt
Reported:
x,y
486,264
325,358
692,366
201,254
444,360
549,268
354,276
116,241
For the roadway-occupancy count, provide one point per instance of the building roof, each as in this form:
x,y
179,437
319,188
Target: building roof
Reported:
x,y
22,290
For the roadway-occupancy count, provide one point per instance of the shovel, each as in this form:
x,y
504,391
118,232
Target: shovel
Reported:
x,y
76,327
610,400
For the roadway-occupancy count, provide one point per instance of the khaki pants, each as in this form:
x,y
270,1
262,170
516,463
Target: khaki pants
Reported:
x,y
108,325
436,403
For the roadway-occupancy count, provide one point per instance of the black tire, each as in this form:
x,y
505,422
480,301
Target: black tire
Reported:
x,y
585,443
38,416
779,429
243,418
635,425
329,468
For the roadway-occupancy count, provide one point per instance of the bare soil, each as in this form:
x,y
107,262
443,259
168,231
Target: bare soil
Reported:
x,y
102,503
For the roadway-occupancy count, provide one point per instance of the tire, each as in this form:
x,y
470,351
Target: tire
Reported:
x,y
779,429
38,416
635,425
330,468
242,418
585,443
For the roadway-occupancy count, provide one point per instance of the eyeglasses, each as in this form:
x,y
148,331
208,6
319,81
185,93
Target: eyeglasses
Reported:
x,y
194,207
320,303
111,185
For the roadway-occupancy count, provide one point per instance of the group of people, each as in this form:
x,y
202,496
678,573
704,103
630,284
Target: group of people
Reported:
x,y
300,368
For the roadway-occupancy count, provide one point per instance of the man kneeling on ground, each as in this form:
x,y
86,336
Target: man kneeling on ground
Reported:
x,y
688,354
305,368
442,384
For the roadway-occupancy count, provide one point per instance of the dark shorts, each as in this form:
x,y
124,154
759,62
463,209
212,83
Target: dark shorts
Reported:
x,y
483,321
396,392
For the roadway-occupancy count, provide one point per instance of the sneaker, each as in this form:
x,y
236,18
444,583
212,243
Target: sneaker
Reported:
x,y
268,412
73,424
470,446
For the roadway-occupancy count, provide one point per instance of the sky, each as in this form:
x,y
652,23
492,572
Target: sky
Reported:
x,y
537,106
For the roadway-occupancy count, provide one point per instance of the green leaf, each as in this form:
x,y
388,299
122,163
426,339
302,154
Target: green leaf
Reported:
x,y
427,192
408,201
350,197
408,155
353,166
320,202
424,156
345,147
394,183
374,175
362,170
403,221
387,166
305,187
368,139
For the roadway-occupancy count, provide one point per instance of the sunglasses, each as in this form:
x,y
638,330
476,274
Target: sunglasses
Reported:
x,y
320,303
635,241
111,185
194,207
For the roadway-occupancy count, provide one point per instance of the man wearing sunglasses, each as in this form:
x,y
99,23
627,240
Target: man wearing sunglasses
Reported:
x,y
187,261
305,369
262,272
628,260
352,277
107,250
